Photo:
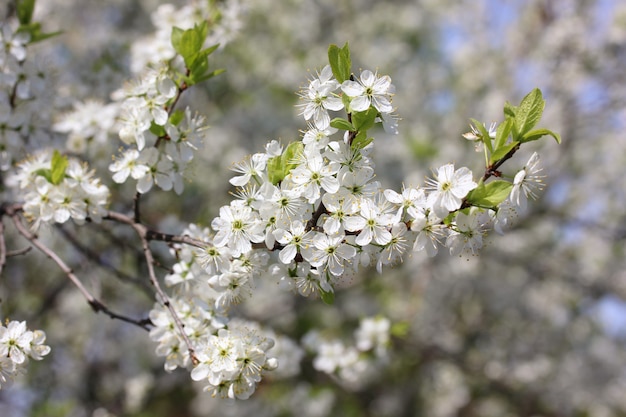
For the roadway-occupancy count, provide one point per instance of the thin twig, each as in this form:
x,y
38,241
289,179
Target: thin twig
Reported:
x,y
94,303
155,235
3,247
143,232
98,260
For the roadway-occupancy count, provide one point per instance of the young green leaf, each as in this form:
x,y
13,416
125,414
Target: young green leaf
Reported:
x,y
500,152
275,173
364,120
57,168
489,195
327,297
503,132
343,124
529,112
361,140
539,133
24,10
340,63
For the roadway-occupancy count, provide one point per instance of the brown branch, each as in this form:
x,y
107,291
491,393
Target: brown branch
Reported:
x,y
94,303
149,234
143,233
98,260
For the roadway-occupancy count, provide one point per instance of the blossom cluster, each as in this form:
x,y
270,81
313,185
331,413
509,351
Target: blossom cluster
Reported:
x,y
305,216
56,188
352,365
231,354
328,215
17,346
151,158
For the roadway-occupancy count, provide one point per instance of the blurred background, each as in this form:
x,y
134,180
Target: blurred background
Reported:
x,y
533,326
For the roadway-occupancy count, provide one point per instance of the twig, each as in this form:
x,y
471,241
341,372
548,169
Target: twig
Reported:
x,y
94,303
3,247
155,235
98,260
143,233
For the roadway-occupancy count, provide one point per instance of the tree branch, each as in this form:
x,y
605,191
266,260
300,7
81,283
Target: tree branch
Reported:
x,y
94,303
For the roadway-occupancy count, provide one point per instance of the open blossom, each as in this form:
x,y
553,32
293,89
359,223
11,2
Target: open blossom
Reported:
x,y
129,164
368,90
371,223
237,226
319,98
449,189
467,233
331,252
295,239
527,182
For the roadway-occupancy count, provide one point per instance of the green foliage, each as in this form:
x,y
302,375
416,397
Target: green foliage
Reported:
x,y
279,167
24,10
188,44
361,140
177,117
328,297
364,120
56,173
489,195
518,123
340,62
526,116
502,151
343,124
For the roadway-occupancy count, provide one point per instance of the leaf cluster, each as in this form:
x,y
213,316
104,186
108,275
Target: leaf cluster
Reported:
x,y
189,44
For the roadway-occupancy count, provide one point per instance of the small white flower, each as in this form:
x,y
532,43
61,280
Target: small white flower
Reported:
x,y
319,98
527,182
449,189
369,90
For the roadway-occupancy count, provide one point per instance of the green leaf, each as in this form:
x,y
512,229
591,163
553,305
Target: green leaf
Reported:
x,y
291,154
158,131
502,133
177,117
529,112
46,173
361,140
279,167
509,110
340,62
275,172
177,39
209,75
188,43
24,10
57,168
400,329
502,151
343,124
364,120
34,31
327,297
486,139
489,195
539,133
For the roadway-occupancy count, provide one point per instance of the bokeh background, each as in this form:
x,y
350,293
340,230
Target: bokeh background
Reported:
x,y
533,326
